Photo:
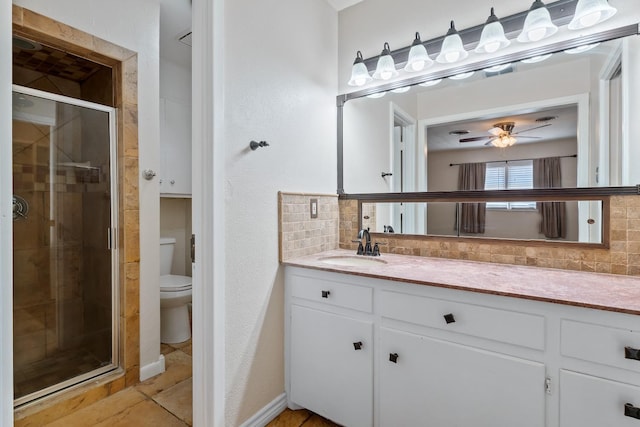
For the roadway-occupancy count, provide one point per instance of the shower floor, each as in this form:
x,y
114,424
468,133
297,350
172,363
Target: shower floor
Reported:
x,y
59,367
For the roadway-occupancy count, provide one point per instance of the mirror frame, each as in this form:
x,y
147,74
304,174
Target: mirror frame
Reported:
x,y
601,194
616,33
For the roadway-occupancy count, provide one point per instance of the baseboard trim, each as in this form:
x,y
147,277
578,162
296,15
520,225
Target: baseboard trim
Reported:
x,y
268,413
152,369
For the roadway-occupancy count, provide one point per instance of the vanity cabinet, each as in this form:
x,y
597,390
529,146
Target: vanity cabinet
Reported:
x,y
331,350
175,148
434,356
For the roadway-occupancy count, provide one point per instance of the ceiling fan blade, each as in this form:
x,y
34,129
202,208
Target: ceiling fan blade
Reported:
x,y
525,136
490,142
475,138
533,128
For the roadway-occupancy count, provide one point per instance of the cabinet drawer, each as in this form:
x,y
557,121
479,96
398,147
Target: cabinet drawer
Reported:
x,y
333,293
510,327
600,344
592,401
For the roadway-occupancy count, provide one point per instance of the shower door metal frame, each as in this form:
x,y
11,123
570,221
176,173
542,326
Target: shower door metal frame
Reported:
x,y
112,244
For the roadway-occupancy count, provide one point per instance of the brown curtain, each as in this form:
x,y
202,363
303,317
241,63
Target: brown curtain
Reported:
x,y
471,176
546,174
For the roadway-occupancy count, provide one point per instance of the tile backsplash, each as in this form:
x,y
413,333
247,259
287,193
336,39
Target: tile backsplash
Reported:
x,y
622,256
300,234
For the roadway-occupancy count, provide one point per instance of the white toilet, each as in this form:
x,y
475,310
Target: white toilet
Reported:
x,y
175,294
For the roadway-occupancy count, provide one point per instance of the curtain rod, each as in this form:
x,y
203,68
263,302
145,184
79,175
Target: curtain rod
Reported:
x,y
512,160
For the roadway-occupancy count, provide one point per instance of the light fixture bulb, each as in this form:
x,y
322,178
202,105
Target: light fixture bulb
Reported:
x,y
492,38
402,89
591,12
377,95
536,59
452,47
418,57
359,72
386,67
462,76
503,141
537,24
581,49
430,83
497,68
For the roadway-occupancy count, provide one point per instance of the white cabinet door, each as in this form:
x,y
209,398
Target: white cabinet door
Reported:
x,y
588,401
328,374
175,142
438,383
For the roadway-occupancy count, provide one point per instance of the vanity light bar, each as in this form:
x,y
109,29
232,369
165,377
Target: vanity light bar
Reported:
x,y
485,38
604,36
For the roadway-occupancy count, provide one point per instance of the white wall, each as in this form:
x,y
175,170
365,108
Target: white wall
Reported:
x,y
135,26
6,233
280,86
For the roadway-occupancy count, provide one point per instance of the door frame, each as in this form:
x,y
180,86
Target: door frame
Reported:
x,y
6,218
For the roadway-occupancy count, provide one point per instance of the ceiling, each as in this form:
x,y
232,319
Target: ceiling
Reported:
x,y
564,126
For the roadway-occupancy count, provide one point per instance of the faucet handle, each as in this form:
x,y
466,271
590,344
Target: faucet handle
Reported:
x,y
376,248
360,247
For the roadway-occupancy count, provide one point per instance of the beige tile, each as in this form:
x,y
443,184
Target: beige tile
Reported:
x,y
290,418
144,414
188,349
166,348
178,368
178,400
101,410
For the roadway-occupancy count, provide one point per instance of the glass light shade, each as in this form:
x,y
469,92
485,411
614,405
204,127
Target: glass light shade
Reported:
x,y
430,83
537,24
581,49
537,59
462,76
359,73
591,12
492,38
452,48
503,141
418,57
386,67
377,95
402,89
497,68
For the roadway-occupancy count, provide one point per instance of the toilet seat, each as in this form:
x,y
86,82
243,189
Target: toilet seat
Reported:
x,y
175,283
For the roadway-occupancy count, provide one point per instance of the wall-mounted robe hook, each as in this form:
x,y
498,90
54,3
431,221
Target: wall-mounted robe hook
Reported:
x,y
255,145
385,174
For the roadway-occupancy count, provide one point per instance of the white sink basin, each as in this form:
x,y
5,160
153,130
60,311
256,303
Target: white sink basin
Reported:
x,y
353,261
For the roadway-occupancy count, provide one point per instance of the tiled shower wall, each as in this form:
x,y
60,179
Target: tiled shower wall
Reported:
x,y
622,256
299,233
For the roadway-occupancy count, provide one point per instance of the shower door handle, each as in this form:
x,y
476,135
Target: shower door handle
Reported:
x,y
109,238
193,248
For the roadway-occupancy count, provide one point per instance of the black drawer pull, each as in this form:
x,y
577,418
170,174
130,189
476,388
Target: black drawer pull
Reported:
x,y
631,411
393,357
449,318
357,345
325,294
631,353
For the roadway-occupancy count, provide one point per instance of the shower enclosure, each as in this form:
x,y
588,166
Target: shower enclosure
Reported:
x,y
65,260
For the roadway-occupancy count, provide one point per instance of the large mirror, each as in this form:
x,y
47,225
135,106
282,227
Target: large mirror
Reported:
x,y
567,120
580,107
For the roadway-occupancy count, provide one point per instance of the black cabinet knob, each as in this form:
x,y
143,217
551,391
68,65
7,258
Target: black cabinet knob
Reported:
x,y
393,357
631,411
449,318
357,345
631,353
325,294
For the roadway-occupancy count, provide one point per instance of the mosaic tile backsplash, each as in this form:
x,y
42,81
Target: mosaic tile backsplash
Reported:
x,y
299,233
622,256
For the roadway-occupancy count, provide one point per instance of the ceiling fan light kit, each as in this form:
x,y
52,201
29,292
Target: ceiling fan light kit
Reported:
x,y
538,24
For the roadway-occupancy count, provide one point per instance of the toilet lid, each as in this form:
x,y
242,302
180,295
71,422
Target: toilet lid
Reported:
x,y
174,283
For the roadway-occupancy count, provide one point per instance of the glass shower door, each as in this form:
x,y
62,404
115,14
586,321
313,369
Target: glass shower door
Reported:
x,y
65,298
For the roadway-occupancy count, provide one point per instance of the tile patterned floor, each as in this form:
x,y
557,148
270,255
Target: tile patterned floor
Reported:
x,y
164,400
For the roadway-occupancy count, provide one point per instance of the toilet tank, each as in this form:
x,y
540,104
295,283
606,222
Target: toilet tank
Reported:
x,y
166,254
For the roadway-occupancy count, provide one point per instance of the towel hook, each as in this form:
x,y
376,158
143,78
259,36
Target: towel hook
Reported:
x,y
255,144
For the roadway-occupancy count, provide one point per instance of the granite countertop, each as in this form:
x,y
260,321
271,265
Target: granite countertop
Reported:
x,y
592,290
